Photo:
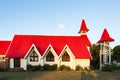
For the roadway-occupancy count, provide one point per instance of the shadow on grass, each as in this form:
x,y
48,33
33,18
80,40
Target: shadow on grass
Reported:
x,y
89,75
5,78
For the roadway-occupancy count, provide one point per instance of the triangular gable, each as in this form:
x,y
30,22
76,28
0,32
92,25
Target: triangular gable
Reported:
x,y
66,48
31,48
48,49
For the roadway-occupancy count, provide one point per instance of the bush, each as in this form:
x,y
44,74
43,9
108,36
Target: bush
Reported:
x,y
34,68
47,67
78,68
29,67
1,69
37,68
63,67
106,68
53,67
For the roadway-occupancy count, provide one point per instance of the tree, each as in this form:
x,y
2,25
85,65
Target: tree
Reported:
x,y
116,54
95,51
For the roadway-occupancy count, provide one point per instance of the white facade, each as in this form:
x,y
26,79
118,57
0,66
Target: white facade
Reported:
x,y
72,63
83,62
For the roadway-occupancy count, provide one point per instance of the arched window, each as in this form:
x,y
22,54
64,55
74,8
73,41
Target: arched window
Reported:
x,y
66,56
33,57
50,56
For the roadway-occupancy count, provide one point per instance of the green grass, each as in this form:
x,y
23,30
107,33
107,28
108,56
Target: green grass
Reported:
x,y
61,75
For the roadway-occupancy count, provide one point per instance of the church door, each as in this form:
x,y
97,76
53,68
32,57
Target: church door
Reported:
x,y
16,62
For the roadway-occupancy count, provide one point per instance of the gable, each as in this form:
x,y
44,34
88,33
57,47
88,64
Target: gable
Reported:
x,y
49,49
31,50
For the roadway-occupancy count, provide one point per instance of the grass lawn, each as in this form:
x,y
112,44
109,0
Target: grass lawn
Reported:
x,y
61,75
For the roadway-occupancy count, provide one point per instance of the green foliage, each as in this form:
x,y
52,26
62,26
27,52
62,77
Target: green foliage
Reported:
x,y
78,68
34,68
108,67
1,70
46,67
53,67
116,53
95,51
64,67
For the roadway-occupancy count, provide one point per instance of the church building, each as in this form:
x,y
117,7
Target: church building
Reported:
x,y
34,50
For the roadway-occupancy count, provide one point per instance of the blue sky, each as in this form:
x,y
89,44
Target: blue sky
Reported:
x,y
59,17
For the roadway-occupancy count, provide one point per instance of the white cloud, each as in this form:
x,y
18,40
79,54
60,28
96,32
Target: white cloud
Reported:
x,y
61,26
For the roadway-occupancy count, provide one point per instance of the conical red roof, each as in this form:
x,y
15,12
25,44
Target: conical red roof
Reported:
x,y
105,36
83,26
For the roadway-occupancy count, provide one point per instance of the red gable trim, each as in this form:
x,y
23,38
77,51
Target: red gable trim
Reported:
x,y
50,46
64,49
105,36
4,46
83,26
36,50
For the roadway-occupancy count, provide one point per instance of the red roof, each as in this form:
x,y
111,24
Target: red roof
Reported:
x,y
105,36
83,26
4,46
22,43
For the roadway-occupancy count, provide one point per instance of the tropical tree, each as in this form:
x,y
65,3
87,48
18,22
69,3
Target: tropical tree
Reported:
x,y
95,51
116,54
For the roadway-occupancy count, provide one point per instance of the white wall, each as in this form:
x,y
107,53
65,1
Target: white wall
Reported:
x,y
83,62
23,64
71,63
11,62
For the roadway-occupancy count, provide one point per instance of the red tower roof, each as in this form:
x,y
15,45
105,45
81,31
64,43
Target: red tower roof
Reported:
x,y
105,36
83,26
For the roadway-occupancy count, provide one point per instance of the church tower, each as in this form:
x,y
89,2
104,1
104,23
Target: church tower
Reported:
x,y
105,50
83,28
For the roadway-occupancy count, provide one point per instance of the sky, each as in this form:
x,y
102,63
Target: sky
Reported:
x,y
60,17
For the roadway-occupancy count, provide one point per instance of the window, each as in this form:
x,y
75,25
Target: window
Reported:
x,y
65,57
34,57
50,56
3,58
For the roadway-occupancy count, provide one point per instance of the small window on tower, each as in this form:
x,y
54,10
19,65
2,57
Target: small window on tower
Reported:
x,y
3,58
